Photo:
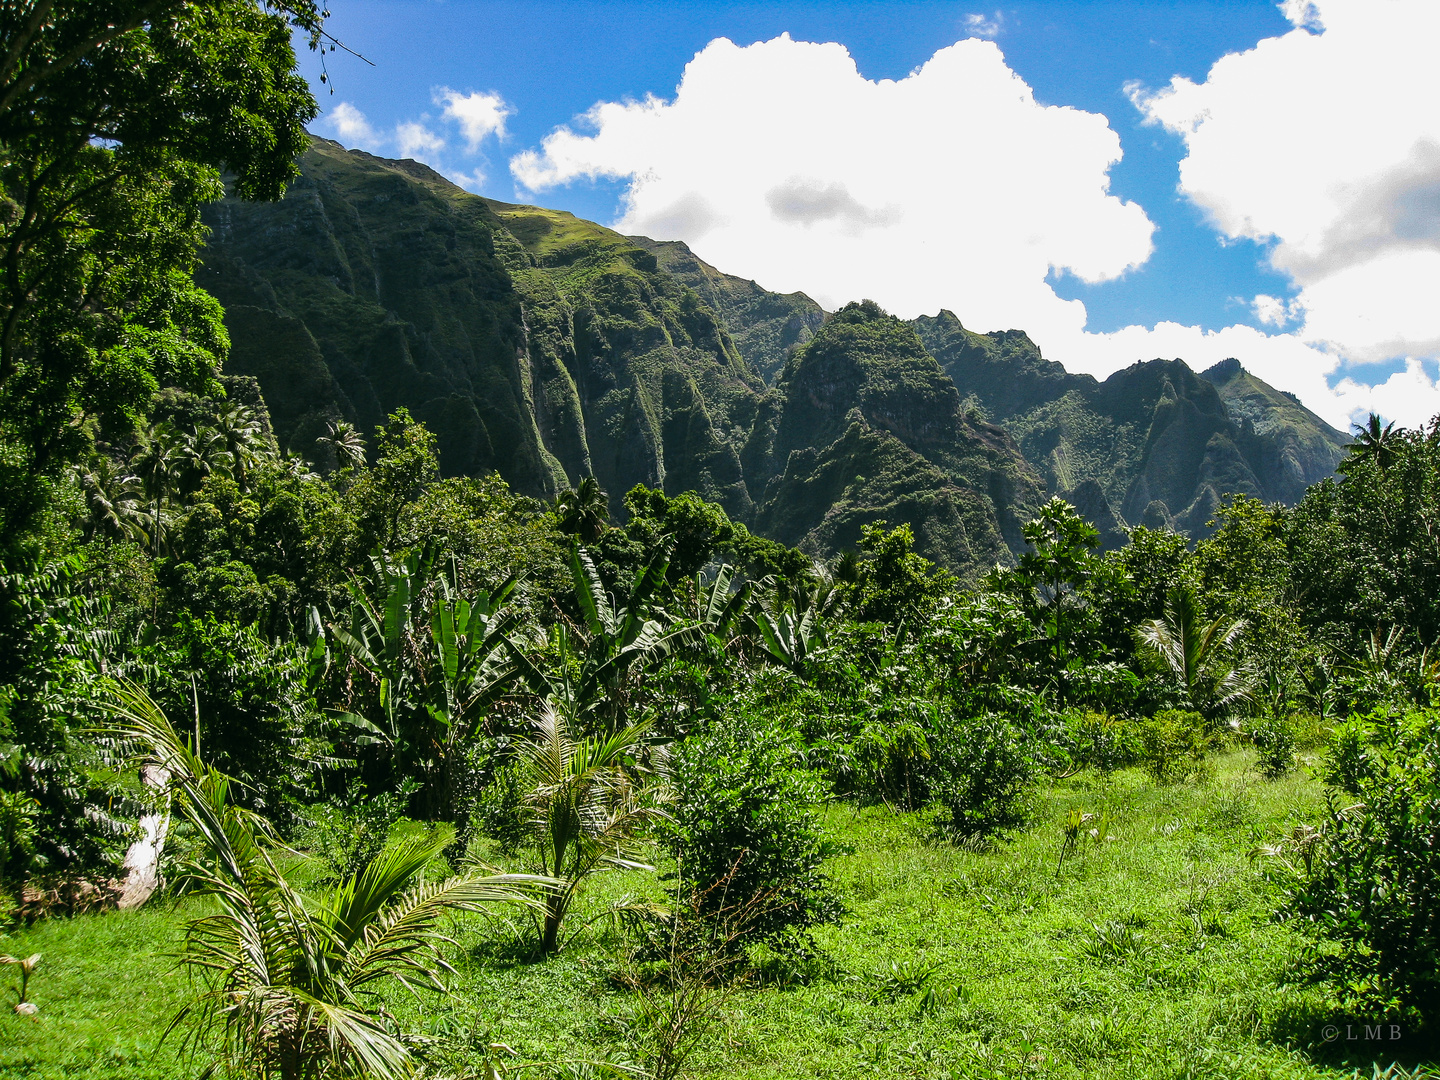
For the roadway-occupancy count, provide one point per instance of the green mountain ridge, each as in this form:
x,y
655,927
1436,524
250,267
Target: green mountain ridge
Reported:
x,y
548,348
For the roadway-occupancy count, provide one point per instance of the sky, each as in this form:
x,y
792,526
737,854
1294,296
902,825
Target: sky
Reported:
x,y
1123,181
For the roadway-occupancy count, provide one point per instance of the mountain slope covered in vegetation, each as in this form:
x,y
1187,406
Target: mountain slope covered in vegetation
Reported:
x,y
549,349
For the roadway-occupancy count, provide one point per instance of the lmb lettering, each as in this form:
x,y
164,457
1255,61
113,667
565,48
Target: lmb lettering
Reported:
x,y
1372,1033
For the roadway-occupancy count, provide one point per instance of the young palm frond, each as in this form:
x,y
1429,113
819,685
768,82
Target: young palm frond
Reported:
x,y
289,984
1196,653
588,807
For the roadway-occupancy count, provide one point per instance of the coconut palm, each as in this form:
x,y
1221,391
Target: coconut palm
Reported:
x,y
157,461
1195,653
289,982
202,453
245,439
344,441
583,511
114,499
588,807
1373,442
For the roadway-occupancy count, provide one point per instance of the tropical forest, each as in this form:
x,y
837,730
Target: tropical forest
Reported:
x,y
442,637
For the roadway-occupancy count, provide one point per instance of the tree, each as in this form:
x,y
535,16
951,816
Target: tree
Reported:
x,y
284,975
583,511
405,465
893,583
1372,443
1056,569
116,119
1196,653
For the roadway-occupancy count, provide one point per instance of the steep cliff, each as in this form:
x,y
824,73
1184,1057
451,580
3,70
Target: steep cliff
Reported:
x,y
550,348
764,325
1162,443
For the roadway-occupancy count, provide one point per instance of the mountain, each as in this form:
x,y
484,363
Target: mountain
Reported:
x,y
533,343
765,326
549,348
864,418
1163,443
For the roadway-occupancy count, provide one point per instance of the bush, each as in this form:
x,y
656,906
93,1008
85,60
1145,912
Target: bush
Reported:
x,y
985,767
1274,741
1102,742
500,812
744,830
17,836
346,838
1369,878
1172,743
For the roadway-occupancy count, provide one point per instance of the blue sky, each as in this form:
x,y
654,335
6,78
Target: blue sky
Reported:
x,y
1208,263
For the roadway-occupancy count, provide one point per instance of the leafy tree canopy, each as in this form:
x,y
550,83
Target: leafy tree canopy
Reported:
x,y
116,120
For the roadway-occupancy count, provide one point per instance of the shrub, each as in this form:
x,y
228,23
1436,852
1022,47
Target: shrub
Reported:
x,y
1102,742
744,830
1172,743
1369,878
1274,741
985,767
499,811
347,838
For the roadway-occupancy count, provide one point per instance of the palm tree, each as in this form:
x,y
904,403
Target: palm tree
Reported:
x,y
583,511
1372,442
344,441
156,462
245,439
114,498
587,808
289,982
1196,653
202,453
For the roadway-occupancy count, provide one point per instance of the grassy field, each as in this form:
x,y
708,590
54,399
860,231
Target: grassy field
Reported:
x,y
1152,954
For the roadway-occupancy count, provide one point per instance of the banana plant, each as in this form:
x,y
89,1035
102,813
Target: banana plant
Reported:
x,y
717,609
435,676
591,675
788,620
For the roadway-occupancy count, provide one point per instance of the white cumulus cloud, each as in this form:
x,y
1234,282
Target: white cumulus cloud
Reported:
x,y
1325,143
349,125
478,115
954,188
950,188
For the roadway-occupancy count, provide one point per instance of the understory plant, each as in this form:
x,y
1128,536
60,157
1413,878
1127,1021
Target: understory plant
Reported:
x,y
1368,879
287,984
590,801
745,831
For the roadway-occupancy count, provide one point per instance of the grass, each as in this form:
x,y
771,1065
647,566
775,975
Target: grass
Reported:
x,y
1151,954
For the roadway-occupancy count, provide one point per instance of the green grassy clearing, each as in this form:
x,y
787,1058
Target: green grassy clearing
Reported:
x,y
1188,981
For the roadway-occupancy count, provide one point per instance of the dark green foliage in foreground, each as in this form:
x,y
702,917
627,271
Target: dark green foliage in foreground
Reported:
x,y
744,832
1369,879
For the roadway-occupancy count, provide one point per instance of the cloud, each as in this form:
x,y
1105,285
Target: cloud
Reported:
x,y
949,188
1325,143
415,140
348,124
954,188
805,200
981,26
478,115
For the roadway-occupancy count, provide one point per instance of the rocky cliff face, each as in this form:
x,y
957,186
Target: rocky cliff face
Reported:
x,y
550,348
531,342
765,326
1163,444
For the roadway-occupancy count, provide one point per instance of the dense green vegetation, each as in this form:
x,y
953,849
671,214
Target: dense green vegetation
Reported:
x,y
415,773
550,349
